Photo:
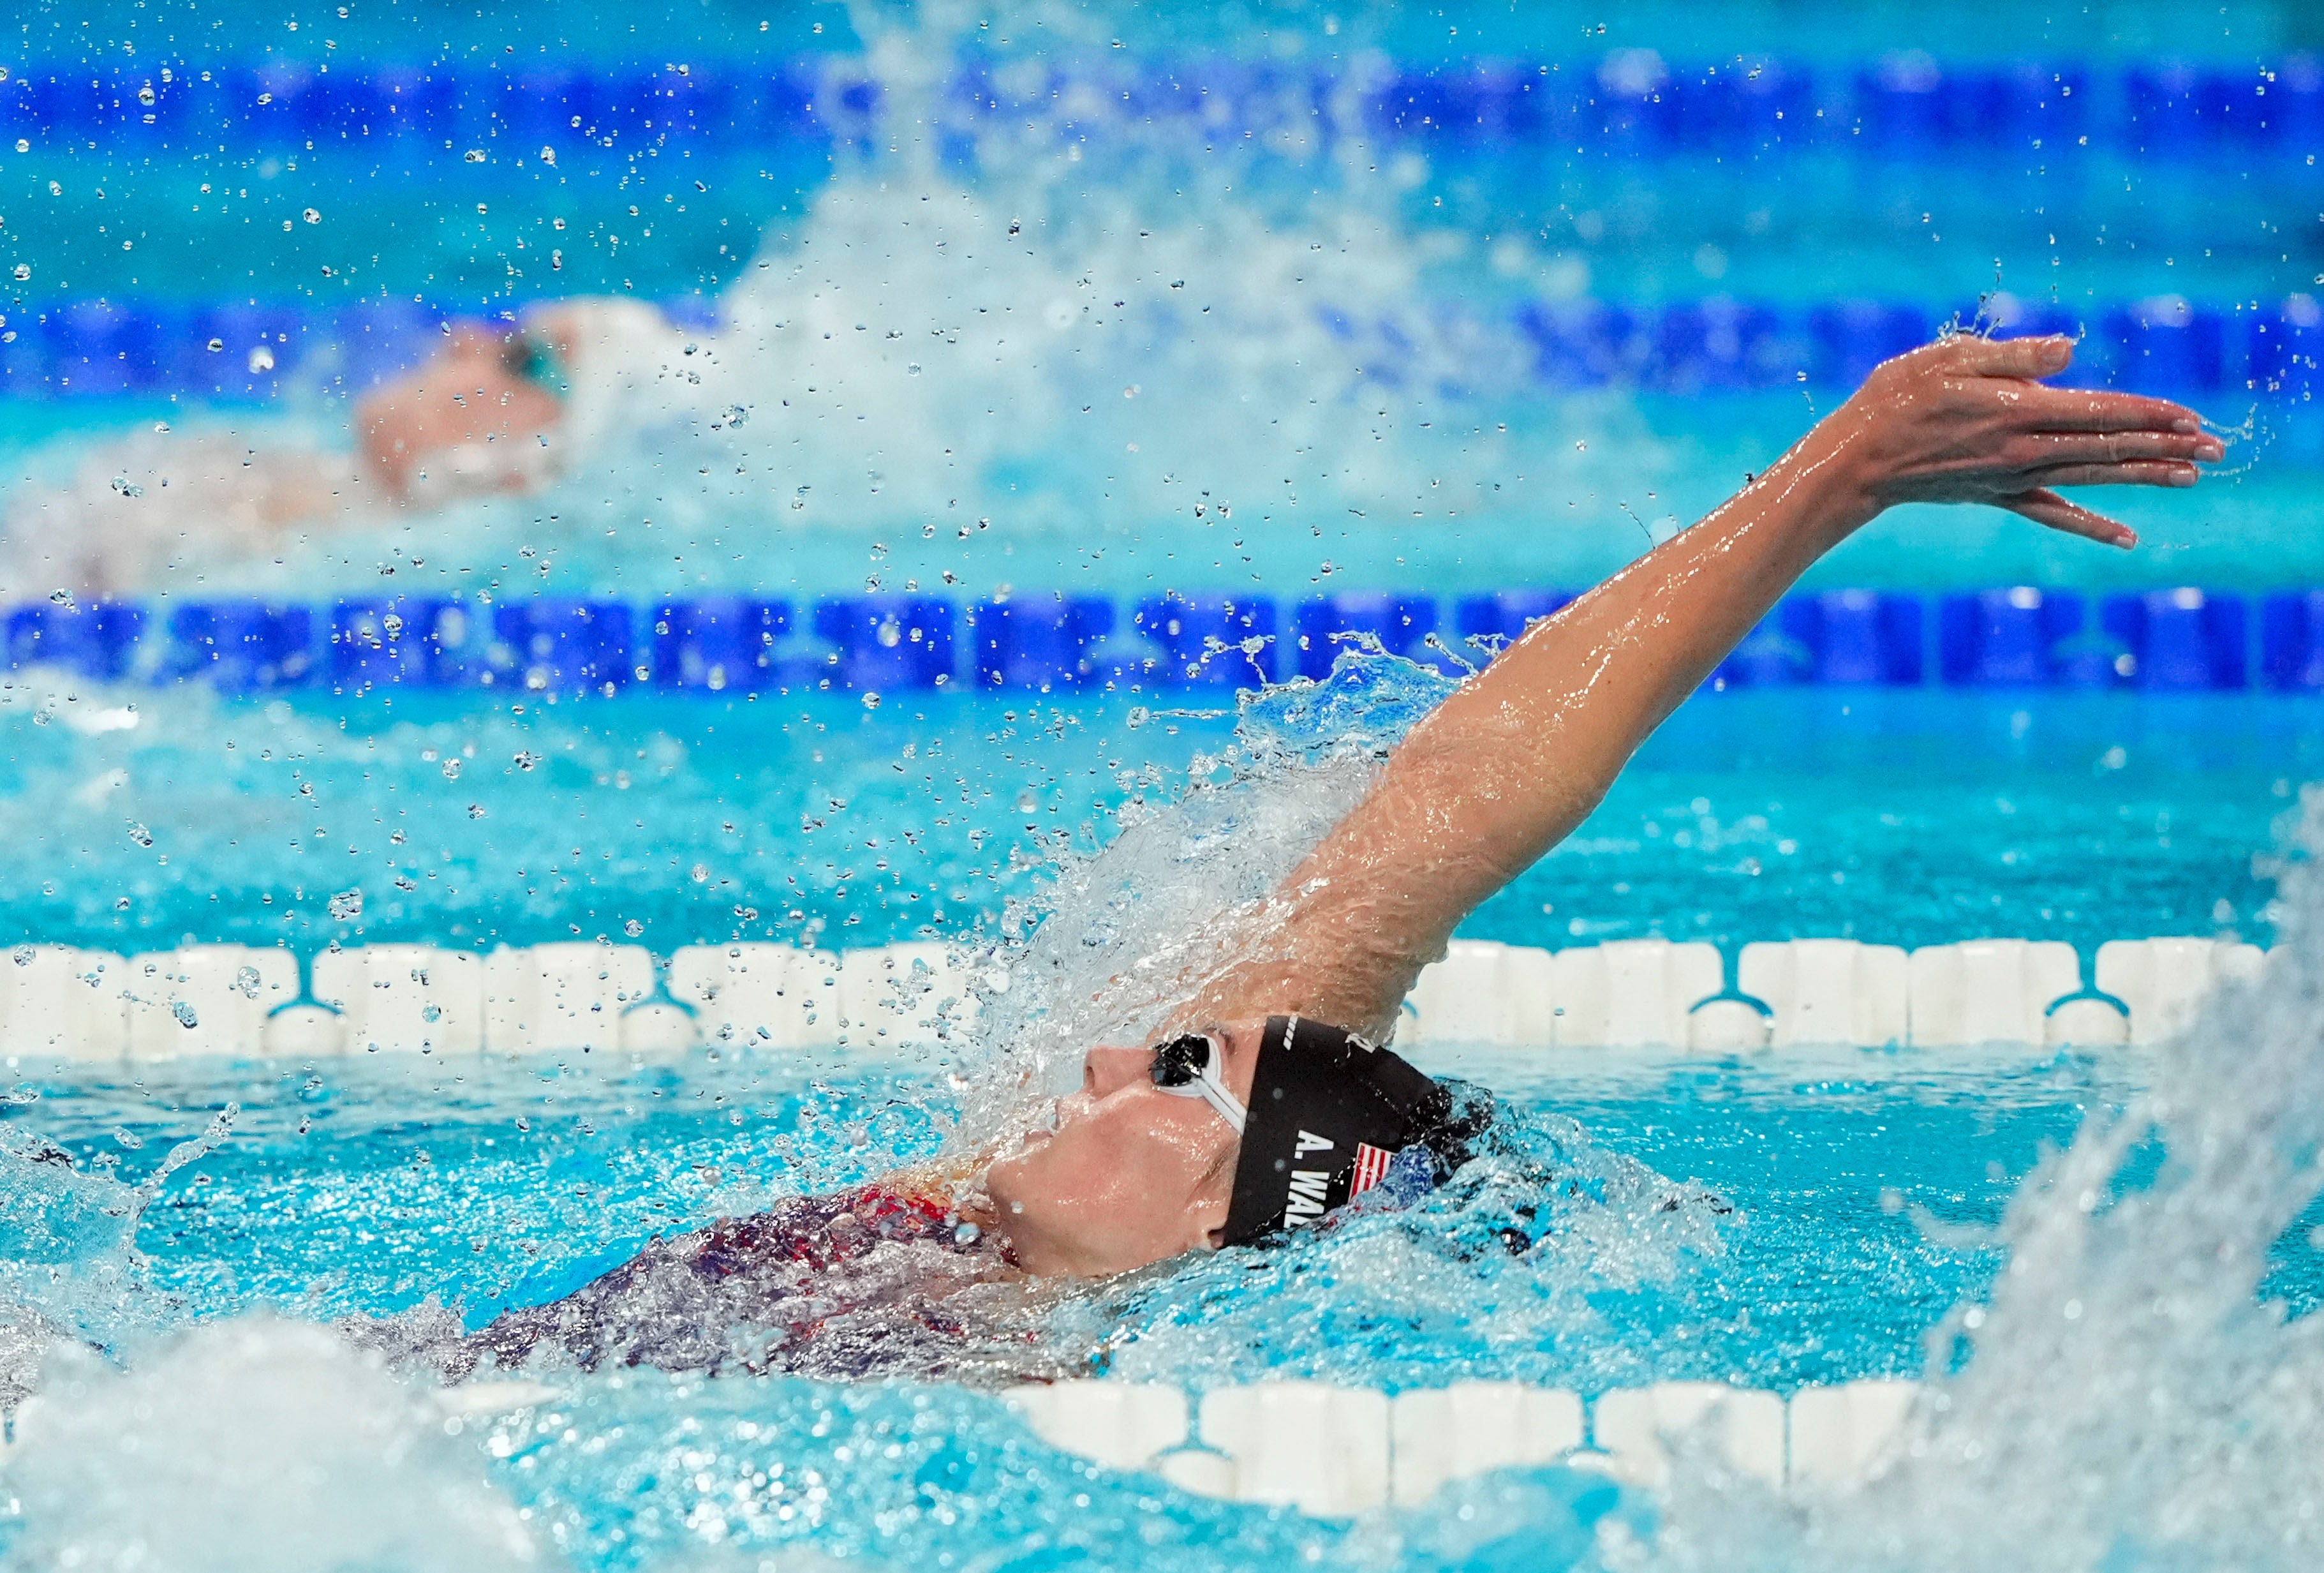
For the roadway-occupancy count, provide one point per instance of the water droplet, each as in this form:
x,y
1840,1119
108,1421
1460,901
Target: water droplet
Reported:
x,y
346,904
312,217
23,272
633,928
245,978
139,834
184,1012
431,1014
262,359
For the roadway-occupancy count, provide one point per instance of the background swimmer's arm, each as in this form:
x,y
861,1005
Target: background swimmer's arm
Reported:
x,y
1508,765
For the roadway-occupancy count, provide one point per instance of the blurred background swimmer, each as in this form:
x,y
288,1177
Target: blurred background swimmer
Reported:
x,y
497,410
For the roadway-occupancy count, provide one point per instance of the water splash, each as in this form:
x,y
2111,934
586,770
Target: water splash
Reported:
x,y
1121,933
250,1447
1056,326
70,1269
2129,1396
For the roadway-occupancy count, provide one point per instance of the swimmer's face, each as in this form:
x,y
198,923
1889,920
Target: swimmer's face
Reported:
x,y
1132,1174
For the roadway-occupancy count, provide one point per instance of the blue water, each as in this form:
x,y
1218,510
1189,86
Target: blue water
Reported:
x,y
1827,1211
1903,817
1824,1212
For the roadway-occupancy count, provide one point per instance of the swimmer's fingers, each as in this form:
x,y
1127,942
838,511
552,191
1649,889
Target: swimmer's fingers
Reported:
x,y
2047,508
2133,472
2043,356
2036,448
2067,408
2086,410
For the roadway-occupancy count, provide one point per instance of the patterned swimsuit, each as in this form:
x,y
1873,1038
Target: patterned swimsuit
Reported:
x,y
804,1286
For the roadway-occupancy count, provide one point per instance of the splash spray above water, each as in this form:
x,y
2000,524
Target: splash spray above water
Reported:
x,y
2129,1396
1057,336
1070,324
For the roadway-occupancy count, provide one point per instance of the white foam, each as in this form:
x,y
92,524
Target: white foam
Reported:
x,y
250,1446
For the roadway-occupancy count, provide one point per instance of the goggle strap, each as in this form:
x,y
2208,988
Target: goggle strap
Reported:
x,y
1230,1107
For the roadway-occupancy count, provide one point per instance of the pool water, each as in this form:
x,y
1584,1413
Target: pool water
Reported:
x,y
365,1192
1822,1212
136,818
1044,339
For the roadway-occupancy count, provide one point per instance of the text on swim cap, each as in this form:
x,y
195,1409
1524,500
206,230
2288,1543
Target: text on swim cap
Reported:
x,y
1306,1199
1311,1142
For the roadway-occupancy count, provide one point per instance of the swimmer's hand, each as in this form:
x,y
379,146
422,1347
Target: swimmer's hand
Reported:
x,y
1965,419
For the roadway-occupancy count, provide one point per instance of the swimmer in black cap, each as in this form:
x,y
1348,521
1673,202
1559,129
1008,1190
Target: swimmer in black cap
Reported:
x,y
1136,1169
1265,1101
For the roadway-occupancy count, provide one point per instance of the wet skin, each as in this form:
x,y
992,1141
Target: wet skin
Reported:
x,y
1128,1174
1131,1173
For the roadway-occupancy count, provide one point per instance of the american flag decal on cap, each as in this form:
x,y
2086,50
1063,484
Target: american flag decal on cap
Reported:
x,y
1371,1168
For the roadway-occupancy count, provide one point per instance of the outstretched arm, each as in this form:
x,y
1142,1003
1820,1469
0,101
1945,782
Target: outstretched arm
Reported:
x,y
1508,765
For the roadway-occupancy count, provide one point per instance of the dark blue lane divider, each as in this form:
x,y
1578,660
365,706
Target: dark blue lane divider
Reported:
x,y
1628,102
2165,345
2181,640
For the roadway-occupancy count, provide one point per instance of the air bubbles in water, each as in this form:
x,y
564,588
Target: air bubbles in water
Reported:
x,y
184,1011
348,904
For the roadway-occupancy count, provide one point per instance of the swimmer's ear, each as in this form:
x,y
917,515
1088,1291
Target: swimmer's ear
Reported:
x,y
1214,1196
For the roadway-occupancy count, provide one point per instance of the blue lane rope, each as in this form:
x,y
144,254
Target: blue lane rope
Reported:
x,y
86,348
2181,640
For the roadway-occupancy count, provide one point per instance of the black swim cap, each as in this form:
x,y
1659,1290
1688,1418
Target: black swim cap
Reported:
x,y
1328,1113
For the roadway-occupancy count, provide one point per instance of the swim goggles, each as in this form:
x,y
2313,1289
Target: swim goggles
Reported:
x,y
1188,1066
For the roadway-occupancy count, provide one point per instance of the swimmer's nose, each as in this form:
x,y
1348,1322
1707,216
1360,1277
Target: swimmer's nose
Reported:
x,y
1108,1070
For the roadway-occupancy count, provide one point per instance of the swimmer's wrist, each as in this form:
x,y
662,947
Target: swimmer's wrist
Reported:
x,y
1828,486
